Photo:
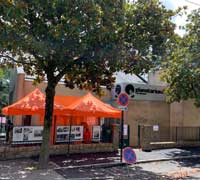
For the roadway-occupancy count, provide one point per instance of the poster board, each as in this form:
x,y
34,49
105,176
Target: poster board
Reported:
x,y
125,129
155,127
27,134
62,133
96,133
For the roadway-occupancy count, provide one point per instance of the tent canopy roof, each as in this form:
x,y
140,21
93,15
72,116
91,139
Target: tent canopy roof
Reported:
x,y
32,104
66,100
88,105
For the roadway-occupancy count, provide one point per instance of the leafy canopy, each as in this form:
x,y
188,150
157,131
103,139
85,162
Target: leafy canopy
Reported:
x,y
182,72
4,87
84,40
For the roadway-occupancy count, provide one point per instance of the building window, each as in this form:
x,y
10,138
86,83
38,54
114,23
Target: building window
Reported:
x,y
27,120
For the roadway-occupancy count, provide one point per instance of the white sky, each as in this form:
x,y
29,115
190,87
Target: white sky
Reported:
x,y
174,4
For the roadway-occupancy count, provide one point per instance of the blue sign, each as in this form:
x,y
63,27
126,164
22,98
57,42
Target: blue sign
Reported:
x,y
129,155
123,99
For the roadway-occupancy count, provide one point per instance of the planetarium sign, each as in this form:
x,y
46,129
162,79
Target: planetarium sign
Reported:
x,y
139,91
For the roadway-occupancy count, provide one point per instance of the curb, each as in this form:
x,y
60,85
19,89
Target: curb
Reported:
x,y
100,165
114,164
166,159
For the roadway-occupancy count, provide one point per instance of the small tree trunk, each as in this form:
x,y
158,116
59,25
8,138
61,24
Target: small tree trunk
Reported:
x,y
49,103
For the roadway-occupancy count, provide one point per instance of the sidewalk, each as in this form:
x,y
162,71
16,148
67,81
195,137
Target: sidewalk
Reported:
x,y
109,159
166,154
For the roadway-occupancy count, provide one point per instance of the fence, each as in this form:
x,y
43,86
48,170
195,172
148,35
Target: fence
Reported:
x,y
161,134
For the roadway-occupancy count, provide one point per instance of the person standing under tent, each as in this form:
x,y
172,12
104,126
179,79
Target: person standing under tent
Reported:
x,y
9,128
87,136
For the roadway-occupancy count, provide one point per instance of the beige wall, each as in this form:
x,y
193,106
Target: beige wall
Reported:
x,y
154,79
184,114
18,94
191,114
62,90
176,114
145,113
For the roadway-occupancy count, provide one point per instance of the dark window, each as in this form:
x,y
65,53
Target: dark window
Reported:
x,y
117,90
129,89
27,120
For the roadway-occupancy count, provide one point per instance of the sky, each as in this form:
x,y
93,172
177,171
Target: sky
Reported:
x,y
174,4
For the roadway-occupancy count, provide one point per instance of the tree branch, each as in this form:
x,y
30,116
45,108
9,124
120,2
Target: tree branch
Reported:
x,y
15,61
61,74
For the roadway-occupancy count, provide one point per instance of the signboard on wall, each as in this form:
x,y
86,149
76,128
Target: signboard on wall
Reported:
x,y
2,120
96,133
27,134
125,129
139,91
62,133
155,128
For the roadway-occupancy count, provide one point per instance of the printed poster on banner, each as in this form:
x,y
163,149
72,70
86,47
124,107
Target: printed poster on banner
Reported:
x,y
96,133
62,133
27,134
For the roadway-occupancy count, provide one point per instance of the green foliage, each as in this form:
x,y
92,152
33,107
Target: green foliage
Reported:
x,y
4,87
1,73
182,72
85,40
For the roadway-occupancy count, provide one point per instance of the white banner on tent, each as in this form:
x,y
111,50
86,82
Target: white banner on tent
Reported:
x,y
96,133
62,133
26,134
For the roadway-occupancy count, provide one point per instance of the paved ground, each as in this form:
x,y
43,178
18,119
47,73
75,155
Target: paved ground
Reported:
x,y
84,159
166,153
185,169
26,169
188,169
118,173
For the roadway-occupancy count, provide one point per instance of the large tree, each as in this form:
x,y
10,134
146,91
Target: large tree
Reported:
x,y
83,41
182,70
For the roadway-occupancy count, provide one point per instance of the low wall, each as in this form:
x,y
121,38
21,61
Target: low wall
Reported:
x,y
9,152
169,137
164,145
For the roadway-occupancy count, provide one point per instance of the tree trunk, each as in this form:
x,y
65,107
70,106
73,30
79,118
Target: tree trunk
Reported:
x,y
49,103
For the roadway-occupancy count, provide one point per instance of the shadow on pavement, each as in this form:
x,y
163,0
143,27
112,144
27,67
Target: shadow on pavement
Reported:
x,y
189,162
184,152
85,159
118,173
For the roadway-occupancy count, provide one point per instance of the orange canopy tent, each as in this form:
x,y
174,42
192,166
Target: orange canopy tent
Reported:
x,y
66,100
32,104
89,105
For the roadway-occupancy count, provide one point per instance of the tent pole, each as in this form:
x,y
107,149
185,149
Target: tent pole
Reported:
x,y
70,131
122,135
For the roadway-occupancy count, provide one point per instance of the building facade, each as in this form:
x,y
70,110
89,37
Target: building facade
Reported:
x,y
147,105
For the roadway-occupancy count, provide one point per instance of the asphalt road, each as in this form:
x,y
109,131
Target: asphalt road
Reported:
x,y
167,170
118,173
